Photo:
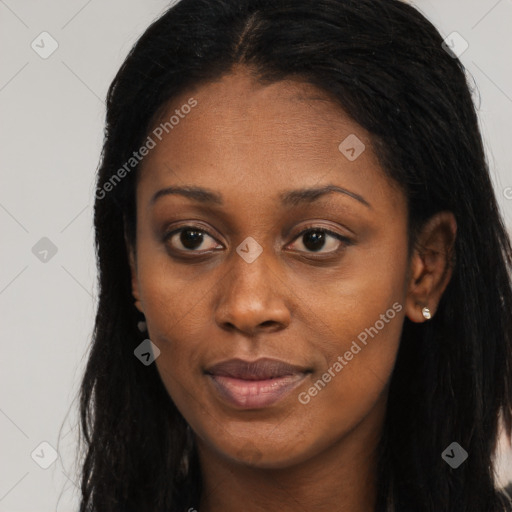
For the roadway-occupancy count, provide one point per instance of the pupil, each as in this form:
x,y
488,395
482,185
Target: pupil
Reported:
x,y
189,238
314,240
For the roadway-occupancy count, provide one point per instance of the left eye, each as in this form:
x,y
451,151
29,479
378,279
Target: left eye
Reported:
x,y
315,239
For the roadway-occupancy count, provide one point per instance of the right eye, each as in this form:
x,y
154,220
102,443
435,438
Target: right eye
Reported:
x,y
189,239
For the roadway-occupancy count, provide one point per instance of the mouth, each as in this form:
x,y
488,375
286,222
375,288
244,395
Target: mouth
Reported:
x,y
257,384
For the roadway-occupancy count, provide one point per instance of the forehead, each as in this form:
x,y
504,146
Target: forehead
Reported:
x,y
246,137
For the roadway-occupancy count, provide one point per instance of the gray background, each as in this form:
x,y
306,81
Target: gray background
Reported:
x,y
52,114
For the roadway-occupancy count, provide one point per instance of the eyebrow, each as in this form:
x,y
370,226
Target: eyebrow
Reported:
x,y
294,197
288,198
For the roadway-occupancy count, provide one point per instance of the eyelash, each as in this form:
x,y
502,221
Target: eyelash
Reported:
x,y
346,241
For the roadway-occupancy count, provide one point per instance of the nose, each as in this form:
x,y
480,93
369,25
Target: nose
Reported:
x,y
252,297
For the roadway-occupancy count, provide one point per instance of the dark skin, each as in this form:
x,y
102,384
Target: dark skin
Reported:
x,y
249,143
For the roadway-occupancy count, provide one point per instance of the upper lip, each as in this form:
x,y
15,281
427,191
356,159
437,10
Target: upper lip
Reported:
x,y
261,369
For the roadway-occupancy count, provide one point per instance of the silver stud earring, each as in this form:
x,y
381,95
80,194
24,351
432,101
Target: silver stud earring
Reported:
x,y
142,326
426,313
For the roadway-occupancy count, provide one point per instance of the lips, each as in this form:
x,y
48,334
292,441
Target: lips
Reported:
x,y
255,384
262,369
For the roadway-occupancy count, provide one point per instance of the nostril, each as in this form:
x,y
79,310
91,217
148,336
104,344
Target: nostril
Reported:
x,y
271,325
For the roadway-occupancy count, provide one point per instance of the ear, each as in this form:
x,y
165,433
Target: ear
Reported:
x,y
431,265
132,260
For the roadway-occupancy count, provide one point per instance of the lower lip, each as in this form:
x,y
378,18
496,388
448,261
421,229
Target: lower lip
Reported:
x,y
255,394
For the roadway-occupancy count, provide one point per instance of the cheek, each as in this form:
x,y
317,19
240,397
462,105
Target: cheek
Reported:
x,y
173,296
176,319
358,353
175,301
360,318
360,297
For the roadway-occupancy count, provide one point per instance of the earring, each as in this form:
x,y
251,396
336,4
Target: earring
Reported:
x,y
142,326
426,313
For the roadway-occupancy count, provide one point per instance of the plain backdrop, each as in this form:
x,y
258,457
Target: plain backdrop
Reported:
x,y
52,113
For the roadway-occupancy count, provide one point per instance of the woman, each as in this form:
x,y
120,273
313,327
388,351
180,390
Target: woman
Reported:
x,y
305,288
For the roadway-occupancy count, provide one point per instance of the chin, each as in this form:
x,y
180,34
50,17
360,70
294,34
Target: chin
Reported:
x,y
266,454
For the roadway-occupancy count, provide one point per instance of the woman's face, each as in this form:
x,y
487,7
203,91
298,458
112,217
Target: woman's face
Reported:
x,y
243,281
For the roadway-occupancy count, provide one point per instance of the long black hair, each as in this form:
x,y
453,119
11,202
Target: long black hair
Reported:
x,y
384,63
